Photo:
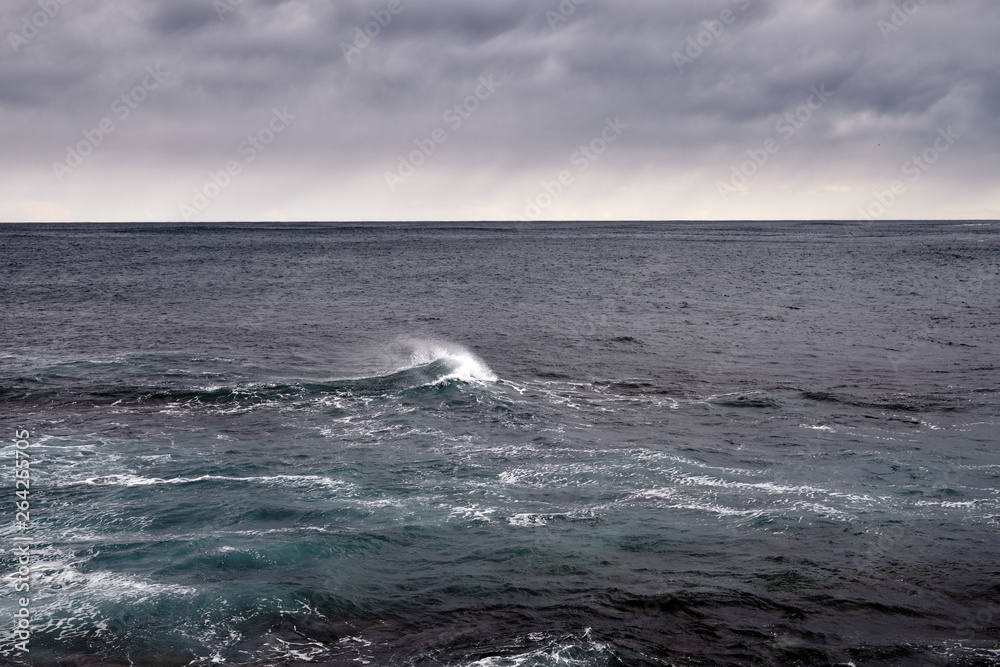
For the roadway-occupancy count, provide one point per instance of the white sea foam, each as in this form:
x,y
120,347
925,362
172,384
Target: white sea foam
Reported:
x,y
128,479
473,513
528,520
51,576
771,488
305,651
567,653
817,428
465,365
70,601
950,504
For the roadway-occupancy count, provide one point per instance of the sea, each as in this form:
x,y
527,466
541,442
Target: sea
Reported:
x,y
607,444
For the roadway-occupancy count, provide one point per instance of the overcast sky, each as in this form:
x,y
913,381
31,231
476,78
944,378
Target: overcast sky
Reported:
x,y
668,109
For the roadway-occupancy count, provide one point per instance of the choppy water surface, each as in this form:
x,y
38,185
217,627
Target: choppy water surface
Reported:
x,y
593,445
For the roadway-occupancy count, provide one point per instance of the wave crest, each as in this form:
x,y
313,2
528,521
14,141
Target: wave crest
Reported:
x,y
456,362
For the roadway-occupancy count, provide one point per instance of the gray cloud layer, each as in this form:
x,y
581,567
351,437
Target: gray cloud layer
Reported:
x,y
898,71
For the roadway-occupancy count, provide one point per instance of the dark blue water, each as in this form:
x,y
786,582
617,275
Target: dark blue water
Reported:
x,y
499,446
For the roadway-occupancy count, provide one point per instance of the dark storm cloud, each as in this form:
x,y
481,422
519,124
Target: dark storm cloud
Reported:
x,y
563,73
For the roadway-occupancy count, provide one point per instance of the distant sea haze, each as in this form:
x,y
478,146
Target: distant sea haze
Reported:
x,y
489,445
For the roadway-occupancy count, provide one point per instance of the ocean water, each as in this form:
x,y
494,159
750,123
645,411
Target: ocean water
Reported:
x,y
490,445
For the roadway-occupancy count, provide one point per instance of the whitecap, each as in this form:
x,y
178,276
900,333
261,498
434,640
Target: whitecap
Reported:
x,y
465,366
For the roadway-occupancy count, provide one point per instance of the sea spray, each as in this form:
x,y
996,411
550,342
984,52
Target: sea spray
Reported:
x,y
462,364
